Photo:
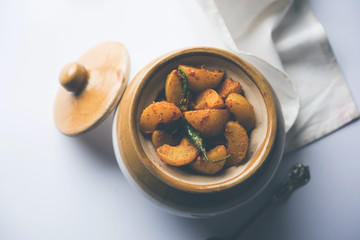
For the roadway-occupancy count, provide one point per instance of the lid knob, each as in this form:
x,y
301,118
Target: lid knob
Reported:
x,y
73,77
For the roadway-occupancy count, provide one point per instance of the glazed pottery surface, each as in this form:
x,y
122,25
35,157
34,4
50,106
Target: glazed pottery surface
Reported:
x,y
174,189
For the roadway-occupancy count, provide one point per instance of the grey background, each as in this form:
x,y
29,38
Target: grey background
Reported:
x,y
55,187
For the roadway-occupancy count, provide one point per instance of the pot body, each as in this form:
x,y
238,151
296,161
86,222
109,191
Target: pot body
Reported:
x,y
172,198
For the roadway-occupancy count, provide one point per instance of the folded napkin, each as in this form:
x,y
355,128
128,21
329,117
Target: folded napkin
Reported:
x,y
289,46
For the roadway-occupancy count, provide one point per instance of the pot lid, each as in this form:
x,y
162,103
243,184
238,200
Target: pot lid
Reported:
x,y
91,88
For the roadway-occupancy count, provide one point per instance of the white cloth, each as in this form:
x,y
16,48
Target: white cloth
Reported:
x,y
287,36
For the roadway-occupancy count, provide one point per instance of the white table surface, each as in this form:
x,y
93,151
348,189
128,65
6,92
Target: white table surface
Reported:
x,y
56,187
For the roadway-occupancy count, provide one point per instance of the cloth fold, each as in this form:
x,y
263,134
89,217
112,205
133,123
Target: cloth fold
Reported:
x,y
286,34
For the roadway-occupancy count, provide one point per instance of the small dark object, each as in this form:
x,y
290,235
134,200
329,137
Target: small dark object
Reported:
x,y
161,96
298,176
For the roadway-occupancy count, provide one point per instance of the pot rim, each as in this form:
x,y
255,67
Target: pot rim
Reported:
x,y
257,78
